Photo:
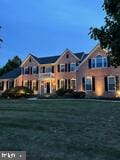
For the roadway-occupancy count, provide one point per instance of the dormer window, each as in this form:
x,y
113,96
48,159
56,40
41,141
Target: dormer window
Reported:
x,y
99,62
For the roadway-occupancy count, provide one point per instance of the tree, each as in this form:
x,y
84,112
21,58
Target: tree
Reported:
x,y
10,65
109,34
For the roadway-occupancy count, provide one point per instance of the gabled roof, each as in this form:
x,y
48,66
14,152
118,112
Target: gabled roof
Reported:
x,y
12,74
53,59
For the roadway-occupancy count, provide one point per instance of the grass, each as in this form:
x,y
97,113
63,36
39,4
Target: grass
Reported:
x,y
61,130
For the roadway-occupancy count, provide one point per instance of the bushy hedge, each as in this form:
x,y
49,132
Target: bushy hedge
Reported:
x,y
69,93
17,92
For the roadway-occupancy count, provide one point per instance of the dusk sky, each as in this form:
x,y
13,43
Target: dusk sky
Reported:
x,y
47,27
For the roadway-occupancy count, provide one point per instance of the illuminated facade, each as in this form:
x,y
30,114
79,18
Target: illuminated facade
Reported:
x,y
91,73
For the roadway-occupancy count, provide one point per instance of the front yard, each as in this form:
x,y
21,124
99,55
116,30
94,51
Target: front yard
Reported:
x,y
61,130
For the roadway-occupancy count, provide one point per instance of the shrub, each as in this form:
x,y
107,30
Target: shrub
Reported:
x,y
79,94
17,92
62,92
69,93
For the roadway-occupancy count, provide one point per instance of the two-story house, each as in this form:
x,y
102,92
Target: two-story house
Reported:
x,y
91,73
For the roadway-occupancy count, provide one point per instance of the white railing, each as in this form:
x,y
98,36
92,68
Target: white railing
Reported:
x,y
46,75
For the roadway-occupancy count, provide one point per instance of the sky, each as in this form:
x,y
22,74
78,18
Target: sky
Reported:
x,y
47,27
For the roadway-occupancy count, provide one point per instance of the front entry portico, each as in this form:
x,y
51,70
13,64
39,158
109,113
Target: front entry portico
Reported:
x,y
47,87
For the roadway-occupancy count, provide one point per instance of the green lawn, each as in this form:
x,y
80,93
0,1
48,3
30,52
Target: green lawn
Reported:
x,y
61,130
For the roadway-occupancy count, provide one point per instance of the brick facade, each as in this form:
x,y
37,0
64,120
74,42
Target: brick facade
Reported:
x,y
62,74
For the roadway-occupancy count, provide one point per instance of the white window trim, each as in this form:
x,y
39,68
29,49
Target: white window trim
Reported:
x,y
95,59
71,83
62,65
25,82
60,82
91,83
33,68
108,82
70,67
48,67
24,70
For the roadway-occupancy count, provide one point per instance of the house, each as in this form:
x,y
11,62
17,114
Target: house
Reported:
x,y
91,73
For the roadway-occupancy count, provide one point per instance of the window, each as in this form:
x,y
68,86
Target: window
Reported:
x,y
73,84
48,69
62,67
26,84
111,83
93,63
72,67
11,84
34,70
67,55
99,62
88,84
62,83
26,70
34,85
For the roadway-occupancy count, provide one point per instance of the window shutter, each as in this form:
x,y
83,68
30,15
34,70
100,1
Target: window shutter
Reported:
x,y
30,84
58,84
68,67
89,63
65,83
37,69
68,83
22,83
2,85
93,83
83,83
37,85
52,69
117,83
108,61
58,68
43,69
106,83
30,70
7,85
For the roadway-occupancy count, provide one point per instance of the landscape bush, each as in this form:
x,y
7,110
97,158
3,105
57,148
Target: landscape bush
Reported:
x,y
17,92
69,93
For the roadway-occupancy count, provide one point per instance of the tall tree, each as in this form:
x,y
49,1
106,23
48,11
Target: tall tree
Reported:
x,y
109,34
10,65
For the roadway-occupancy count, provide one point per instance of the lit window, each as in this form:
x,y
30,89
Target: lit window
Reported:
x,y
73,84
88,84
26,84
111,83
62,67
34,86
62,83
48,69
72,67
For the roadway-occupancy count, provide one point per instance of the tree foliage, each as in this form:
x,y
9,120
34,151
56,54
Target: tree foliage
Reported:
x,y
10,65
109,34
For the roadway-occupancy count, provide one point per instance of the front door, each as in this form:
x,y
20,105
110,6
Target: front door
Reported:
x,y
48,87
